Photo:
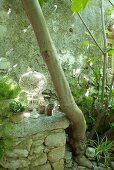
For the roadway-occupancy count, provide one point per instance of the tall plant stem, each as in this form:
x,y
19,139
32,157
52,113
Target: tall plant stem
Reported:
x,y
100,113
90,33
105,54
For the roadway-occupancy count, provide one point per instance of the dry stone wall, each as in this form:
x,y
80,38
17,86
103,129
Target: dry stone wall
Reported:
x,y
38,144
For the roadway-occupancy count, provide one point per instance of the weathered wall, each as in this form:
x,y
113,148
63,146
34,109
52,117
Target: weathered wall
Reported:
x,y
19,45
38,144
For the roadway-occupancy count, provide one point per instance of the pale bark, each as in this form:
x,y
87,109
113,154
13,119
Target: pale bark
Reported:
x,y
61,85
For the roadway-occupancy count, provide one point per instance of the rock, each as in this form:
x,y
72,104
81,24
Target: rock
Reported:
x,y
39,136
57,131
23,168
81,168
90,152
43,167
68,164
94,163
75,164
58,165
46,150
60,139
99,168
16,142
23,144
74,168
101,165
36,150
68,159
68,156
112,164
17,153
15,164
42,159
37,142
29,144
56,154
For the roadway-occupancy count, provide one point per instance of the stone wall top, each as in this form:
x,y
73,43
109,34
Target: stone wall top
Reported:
x,y
30,126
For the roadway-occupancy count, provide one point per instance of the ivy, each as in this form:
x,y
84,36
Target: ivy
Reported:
x,y
77,5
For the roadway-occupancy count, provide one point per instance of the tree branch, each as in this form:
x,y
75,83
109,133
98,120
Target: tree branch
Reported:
x,y
90,33
111,3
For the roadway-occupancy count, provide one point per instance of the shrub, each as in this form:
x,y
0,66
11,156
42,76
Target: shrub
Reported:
x,y
16,106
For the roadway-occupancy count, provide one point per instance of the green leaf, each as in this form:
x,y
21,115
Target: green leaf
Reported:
x,y
85,42
77,5
42,1
87,33
111,51
112,124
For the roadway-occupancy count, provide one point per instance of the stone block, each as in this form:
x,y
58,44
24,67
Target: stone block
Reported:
x,y
37,142
40,135
56,154
57,139
42,159
57,131
59,165
17,153
15,164
25,144
27,168
36,150
43,167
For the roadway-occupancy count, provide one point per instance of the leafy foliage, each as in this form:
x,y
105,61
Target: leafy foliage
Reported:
x,y
5,135
8,88
78,5
103,149
16,106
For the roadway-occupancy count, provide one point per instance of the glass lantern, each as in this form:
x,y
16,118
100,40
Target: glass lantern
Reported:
x,y
33,84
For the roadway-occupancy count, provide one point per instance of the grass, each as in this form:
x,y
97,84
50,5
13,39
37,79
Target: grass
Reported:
x,y
103,149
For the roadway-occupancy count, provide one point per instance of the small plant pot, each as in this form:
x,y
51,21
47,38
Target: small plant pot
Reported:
x,y
50,108
17,117
41,109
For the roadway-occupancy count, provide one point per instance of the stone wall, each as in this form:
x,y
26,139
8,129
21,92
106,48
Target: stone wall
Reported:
x,y
38,144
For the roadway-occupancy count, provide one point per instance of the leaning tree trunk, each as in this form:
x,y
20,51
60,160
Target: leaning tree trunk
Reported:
x,y
49,54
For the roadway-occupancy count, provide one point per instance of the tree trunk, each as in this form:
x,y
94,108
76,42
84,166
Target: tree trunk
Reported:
x,y
61,85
